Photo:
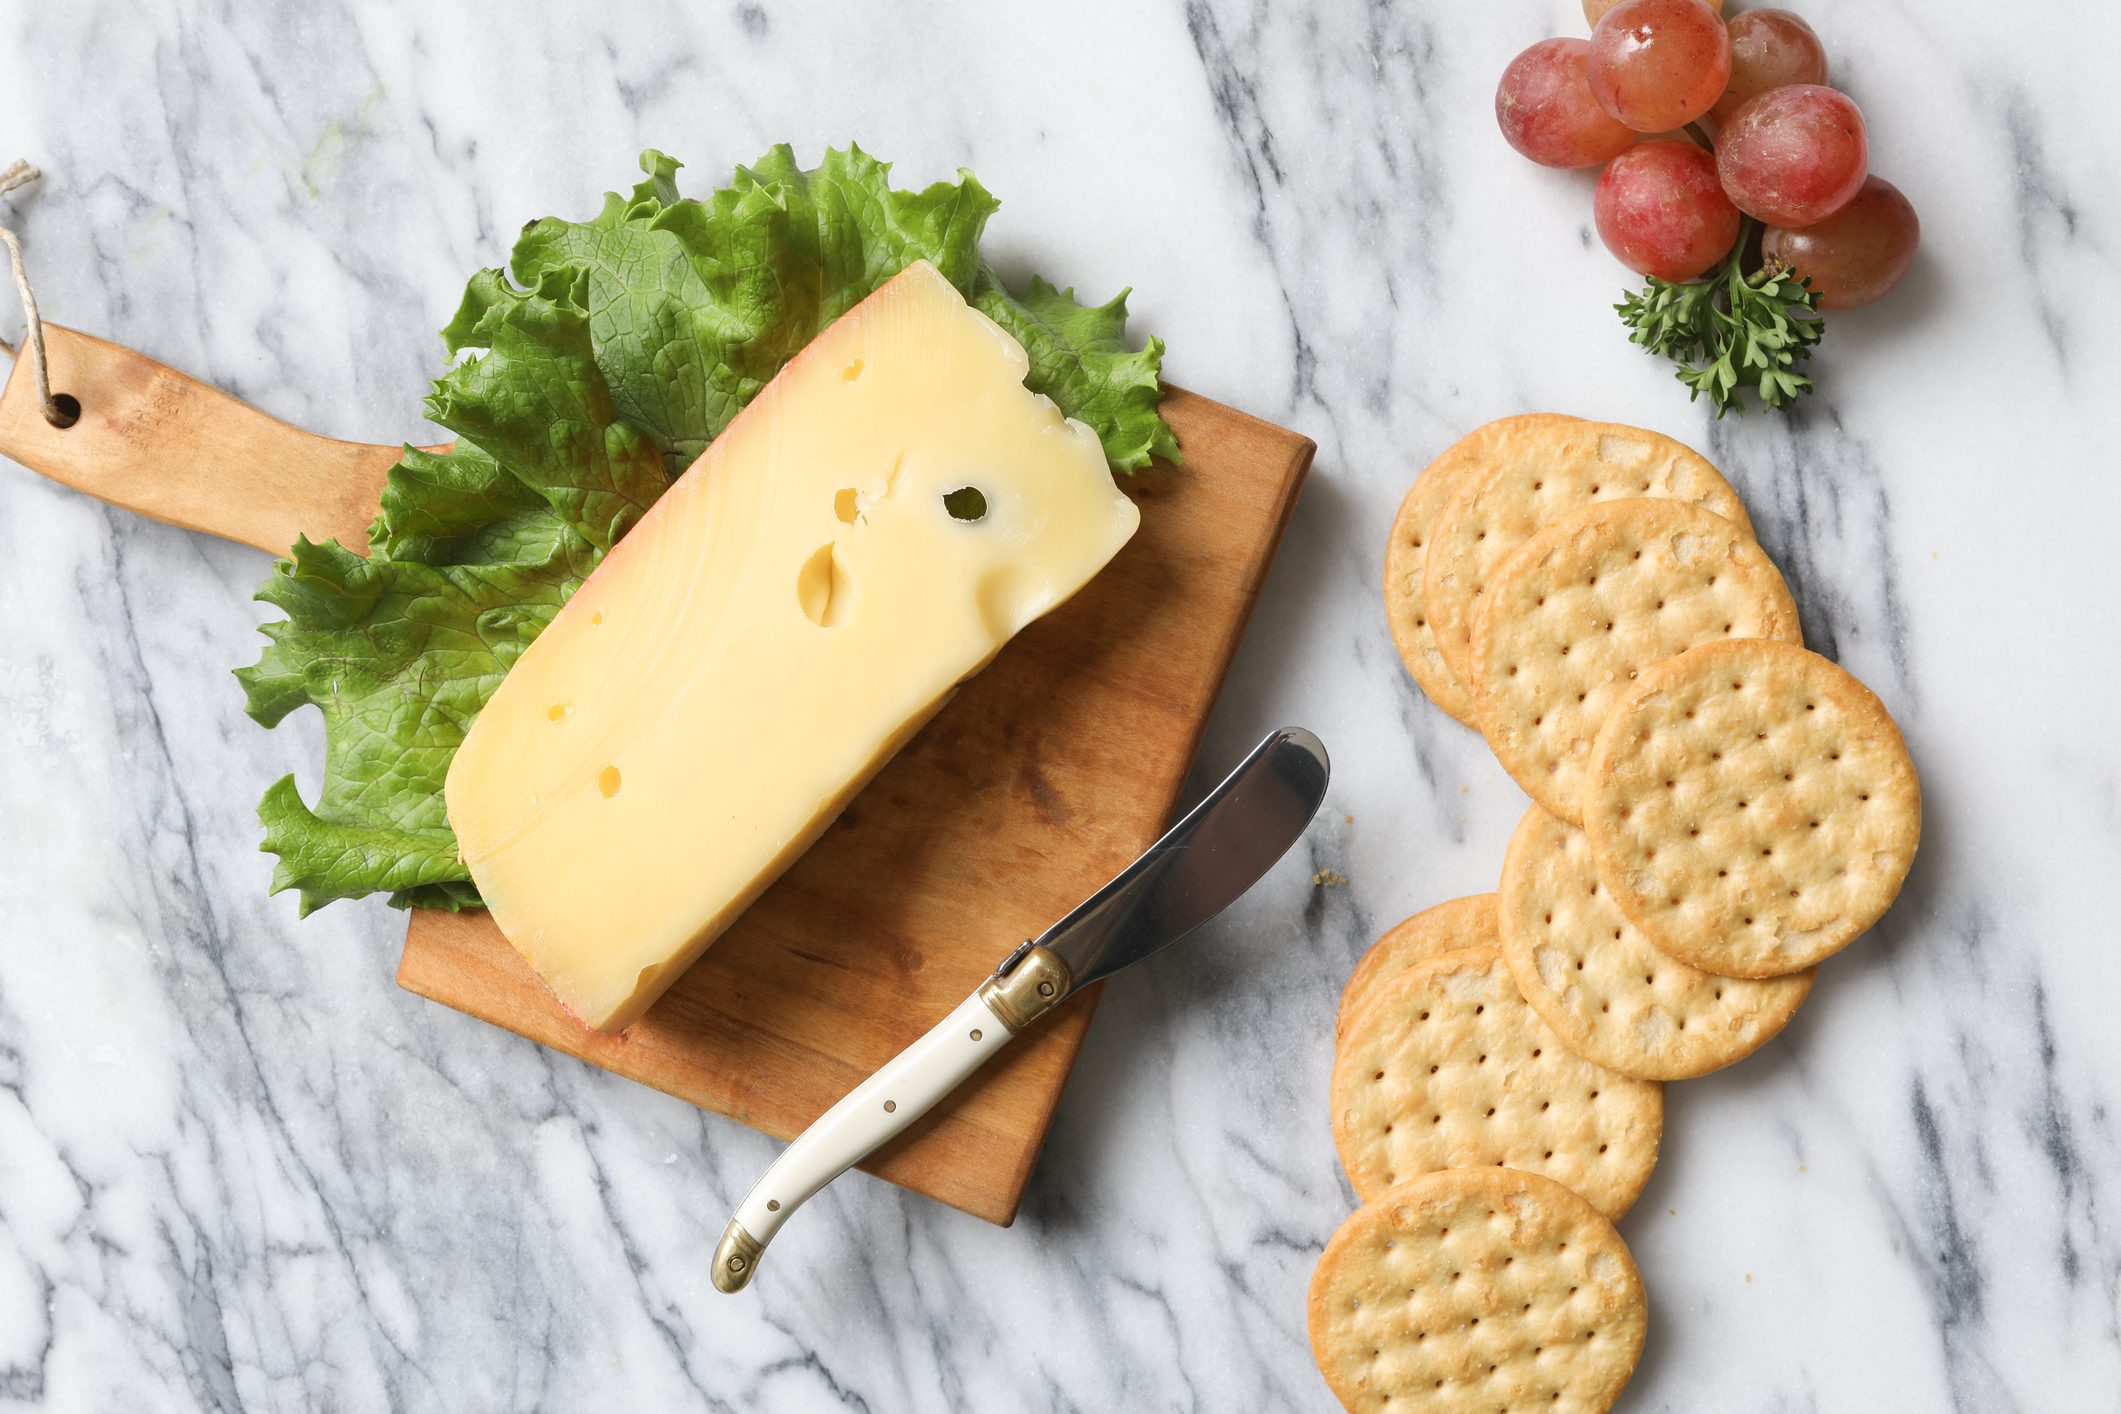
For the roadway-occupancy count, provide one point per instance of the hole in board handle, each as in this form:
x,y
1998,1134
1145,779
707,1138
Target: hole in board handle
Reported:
x,y
64,412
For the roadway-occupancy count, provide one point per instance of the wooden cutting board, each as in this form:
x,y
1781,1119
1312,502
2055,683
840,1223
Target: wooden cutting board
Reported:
x,y
1045,776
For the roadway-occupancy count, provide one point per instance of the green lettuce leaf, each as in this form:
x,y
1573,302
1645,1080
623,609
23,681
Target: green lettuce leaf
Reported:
x,y
399,656
1080,359
600,364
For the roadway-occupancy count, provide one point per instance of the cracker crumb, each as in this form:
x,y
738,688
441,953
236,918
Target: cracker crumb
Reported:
x,y
1329,879
1749,1278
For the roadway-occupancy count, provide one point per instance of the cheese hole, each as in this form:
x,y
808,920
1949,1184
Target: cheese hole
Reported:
x,y
823,588
608,781
967,503
846,504
852,371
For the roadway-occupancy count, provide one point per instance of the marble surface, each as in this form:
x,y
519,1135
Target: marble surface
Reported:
x,y
240,1169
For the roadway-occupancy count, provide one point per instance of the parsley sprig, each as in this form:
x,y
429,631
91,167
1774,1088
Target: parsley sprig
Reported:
x,y
1731,332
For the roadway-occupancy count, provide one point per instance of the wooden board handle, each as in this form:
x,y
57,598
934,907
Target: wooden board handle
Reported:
x,y
165,445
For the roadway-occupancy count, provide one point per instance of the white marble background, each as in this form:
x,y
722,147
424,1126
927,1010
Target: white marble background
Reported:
x,y
240,1169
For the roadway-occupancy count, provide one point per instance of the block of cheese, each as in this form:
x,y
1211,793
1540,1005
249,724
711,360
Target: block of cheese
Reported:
x,y
868,533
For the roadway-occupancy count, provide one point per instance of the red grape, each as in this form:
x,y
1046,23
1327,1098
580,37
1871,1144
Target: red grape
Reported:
x,y
1660,209
1657,65
1545,107
1594,10
1794,155
1856,254
1769,49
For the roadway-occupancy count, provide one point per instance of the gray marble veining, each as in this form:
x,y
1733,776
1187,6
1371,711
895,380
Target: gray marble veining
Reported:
x,y
240,1169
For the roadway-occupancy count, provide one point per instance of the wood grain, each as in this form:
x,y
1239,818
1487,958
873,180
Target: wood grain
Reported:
x,y
1044,777
168,446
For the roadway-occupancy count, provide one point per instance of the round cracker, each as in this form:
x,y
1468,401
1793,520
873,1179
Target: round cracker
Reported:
x,y
1610,995
1462,923
1407,554
1589,602
1534,477
1448,1067
1473,1291
1752,807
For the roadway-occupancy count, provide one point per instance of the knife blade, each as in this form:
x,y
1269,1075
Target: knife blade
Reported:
x,y
1199,867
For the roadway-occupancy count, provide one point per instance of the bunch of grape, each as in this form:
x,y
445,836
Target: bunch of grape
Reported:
x,y
1713,133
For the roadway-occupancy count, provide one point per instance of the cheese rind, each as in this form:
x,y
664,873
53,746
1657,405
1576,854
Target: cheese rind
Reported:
x,y
790,612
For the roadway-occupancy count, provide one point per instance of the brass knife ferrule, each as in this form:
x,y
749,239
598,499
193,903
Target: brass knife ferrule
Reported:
x,y
1028,990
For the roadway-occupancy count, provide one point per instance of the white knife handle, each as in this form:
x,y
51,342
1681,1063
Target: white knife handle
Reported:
x,y
881,1107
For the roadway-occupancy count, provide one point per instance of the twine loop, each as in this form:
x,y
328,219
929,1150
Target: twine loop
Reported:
x,y
21,174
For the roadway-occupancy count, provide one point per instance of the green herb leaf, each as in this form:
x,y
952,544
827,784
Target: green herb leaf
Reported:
x,y
604,360
1733,334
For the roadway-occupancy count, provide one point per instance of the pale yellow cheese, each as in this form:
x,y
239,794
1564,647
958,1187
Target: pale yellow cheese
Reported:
x,y
784,618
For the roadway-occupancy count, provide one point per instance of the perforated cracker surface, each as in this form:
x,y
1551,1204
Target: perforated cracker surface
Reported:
x,y
1534,477
1609,994
1462,923
1406,556
1752,807
1474,1292
1448,1067
1588,603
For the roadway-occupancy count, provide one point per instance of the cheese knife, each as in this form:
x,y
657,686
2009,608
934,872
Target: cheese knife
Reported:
x,y
1200,866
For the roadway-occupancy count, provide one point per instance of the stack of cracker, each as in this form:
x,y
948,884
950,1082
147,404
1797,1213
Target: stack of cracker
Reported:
x,y
1716,810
